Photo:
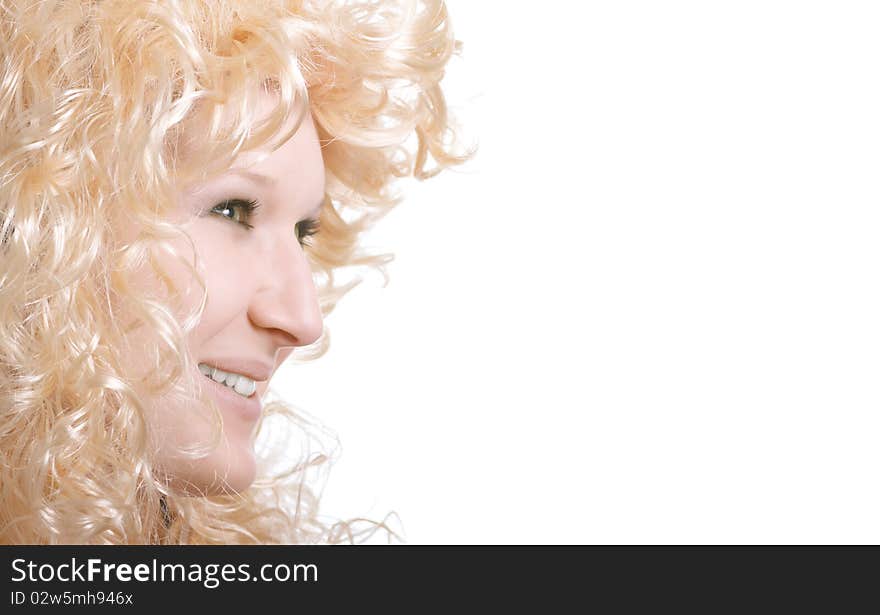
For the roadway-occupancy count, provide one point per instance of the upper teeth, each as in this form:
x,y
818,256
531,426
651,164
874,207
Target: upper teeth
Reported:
x,y
242,385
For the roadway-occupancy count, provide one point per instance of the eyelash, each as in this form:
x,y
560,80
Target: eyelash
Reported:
x,y
310,226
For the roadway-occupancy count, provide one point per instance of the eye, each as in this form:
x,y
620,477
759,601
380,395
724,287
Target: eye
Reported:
x,y
306,229
245,211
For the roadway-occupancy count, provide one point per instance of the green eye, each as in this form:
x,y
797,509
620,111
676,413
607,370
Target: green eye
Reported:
x,y
241,212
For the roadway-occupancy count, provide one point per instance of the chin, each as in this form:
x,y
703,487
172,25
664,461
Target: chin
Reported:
x,y
224,472
239,480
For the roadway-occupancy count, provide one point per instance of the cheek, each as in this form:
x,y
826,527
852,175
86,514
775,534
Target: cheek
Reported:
x,y
176,425
229,283
223,302
171,272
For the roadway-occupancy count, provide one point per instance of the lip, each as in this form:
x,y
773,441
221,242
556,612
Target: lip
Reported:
x,y
255,370
247,407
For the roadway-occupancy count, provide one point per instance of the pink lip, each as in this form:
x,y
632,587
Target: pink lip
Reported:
x,y
247,407
255,370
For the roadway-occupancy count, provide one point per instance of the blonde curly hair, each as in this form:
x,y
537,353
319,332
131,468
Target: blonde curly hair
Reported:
x,y
93,98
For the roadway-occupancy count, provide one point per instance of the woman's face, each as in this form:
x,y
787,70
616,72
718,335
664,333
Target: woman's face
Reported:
x,y
261,300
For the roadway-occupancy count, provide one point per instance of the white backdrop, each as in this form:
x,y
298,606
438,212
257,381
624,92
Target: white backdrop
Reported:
x,y
648,311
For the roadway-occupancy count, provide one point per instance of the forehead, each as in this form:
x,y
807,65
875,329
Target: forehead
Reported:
x,y
296,167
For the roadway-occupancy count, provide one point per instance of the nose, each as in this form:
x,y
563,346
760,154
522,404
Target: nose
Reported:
x,y
286,300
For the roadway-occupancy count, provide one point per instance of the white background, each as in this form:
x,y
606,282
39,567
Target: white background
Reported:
x,y
648,311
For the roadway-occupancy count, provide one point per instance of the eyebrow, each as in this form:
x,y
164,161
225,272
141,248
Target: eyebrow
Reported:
x,y
265,180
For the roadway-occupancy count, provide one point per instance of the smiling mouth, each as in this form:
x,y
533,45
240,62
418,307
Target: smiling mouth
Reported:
x,y
242,385
249,408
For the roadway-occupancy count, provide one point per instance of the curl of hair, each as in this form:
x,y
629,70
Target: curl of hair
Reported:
x,y
93,99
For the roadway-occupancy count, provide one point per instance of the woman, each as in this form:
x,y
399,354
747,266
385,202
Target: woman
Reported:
x,y
179,182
